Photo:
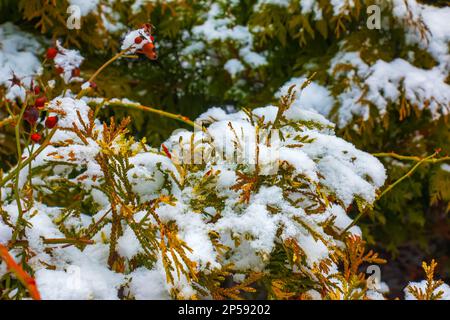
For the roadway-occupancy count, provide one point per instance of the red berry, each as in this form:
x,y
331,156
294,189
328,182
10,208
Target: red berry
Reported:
x,y
152,38
138,40
36,137
76,72
149,50
51,121
37,90
40,102
59,70
51,53
31,115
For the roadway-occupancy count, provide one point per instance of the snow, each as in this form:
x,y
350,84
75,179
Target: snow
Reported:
x,y
103,10
425,89
85,85
18,54
347,171
315,250
5,234
51,84
86,6
336,160
140,286
86,281
341,6
436,21
68,60
338,7
375,295
342,220
128,245
419,85
253,59
219,26
129,43
145,177
250,230
281,3
311,6
233,67
111,19
68,110
310,167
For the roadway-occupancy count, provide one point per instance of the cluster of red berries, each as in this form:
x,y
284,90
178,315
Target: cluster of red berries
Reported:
x,y
51,54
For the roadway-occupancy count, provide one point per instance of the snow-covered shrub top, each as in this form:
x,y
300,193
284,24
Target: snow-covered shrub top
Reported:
x,y
245,196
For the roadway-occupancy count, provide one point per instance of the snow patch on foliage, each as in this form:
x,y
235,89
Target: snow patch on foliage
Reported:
x,y
435,20
129,40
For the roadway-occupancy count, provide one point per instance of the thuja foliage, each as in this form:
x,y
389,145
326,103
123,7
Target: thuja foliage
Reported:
x,y
239,53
